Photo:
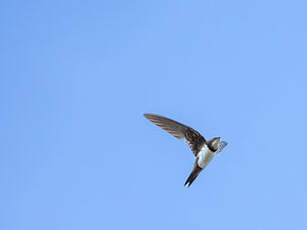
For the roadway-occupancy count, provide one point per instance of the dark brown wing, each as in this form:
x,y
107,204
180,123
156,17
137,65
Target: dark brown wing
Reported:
x,y
178,130
195,140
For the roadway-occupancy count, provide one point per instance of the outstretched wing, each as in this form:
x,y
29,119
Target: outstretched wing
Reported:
x,y
178,130
222,145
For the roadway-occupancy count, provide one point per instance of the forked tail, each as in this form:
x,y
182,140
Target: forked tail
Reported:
x,y
193,175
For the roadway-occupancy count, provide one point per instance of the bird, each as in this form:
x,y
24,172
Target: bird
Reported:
x,y
203,150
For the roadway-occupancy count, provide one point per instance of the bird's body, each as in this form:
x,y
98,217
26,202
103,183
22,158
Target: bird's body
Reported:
x,y
203,150
204,156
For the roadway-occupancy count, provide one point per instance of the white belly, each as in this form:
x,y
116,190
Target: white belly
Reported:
x,y
204,156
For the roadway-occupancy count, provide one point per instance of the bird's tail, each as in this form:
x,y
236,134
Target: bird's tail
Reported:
x,y
193,175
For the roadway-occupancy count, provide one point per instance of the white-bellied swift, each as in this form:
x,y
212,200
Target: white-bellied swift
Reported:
x,y
203,150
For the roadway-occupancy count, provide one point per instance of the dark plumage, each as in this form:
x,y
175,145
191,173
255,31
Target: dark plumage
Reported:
x,y
203,150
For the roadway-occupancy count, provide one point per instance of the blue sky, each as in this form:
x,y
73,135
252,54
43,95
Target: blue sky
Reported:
x,y
76,78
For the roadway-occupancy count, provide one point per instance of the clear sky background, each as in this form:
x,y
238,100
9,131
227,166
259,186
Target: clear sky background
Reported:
x,y
77,76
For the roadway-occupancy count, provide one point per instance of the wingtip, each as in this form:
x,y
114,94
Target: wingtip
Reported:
x,y
147,115
151,116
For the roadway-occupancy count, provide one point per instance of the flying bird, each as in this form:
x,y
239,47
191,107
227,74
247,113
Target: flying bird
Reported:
x,y
203,150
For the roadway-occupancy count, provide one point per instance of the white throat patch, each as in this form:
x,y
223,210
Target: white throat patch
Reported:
x,y
205,155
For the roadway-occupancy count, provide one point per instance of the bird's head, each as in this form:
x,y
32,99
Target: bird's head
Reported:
x,y
214,143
